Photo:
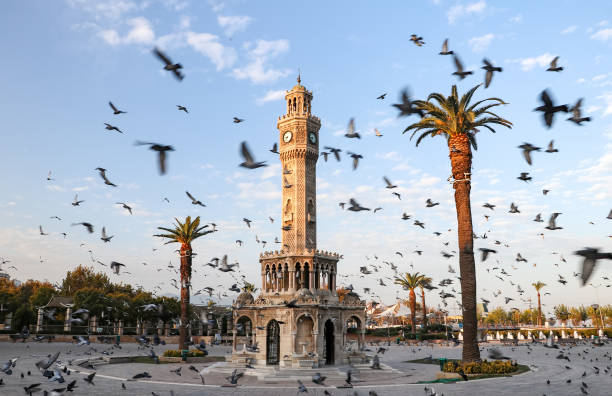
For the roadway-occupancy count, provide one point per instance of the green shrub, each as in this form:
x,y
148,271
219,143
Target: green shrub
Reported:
x,y
484,367
177,353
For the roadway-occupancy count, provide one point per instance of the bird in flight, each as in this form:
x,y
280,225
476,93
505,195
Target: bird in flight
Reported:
x,y
356,158
382,97
102,172
378,134
112,128
407,108
551,222
549,109
524,176
88,226
527,149
430,204
355,207
104,237
125,206
553,65
116,267
388,183
76,201
334,151
49,177
161,151
551,148
490,69
238,120
275,150
249,162
577,114
591,256
488,205
350,131
115,109
445,50
194,201
175,68
182,108
247,221
485,253
417,40
40,230
513,208
459,72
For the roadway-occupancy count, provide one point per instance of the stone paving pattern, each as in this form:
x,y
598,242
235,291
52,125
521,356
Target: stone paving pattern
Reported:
x,y
402,380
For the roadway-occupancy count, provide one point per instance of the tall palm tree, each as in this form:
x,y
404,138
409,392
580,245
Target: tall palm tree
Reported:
x,y
184,233
410,282
538,286
425,282
459,121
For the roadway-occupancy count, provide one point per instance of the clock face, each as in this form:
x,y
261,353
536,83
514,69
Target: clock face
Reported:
x,y
287,137
312,137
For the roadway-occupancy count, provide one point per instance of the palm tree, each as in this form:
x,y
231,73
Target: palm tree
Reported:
x,y
184,233
425,282
459,121
249,287
538,286
410,282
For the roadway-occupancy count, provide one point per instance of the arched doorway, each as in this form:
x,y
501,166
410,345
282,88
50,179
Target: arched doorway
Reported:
x,y
272,342
304,341
329,342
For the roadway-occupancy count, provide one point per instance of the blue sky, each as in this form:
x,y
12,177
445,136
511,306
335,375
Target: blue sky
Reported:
x,y
63,61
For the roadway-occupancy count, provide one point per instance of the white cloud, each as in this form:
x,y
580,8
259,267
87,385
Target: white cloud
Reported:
x,y
109,9
233,24
141,31
603,34
110,36
208,45
569,29
185,22
607,98
529,63
479,44
271,96
459,10
517,18
260,54
599,77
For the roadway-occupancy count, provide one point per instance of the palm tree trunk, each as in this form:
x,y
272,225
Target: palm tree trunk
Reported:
x,y
185,280
424,310
413,311
461,165
539,311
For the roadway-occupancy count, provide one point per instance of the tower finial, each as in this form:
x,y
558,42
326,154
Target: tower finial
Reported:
x,y
299,80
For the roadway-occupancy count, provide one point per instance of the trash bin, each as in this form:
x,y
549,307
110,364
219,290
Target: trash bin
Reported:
x,y
184,353
442,363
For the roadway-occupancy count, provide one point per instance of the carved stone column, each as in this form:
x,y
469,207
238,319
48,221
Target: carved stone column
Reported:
x,y
311,280
39,320
68,324
234,338
292,280
315,337
293,340
264,287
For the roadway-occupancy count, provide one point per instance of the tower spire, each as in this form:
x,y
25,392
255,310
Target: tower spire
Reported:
x,y
299,80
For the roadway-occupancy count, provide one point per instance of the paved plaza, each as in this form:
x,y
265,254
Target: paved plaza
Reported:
x,y
398,377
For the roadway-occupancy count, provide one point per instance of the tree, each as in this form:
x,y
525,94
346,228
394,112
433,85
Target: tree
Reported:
x,y
425,282
42,295
562,313
578,314
459,121
341,292
184,233
92,299
497,316
84,277
538,286
410,282
249,287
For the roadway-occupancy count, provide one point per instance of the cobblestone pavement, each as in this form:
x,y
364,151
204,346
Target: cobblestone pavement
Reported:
x,y
400,381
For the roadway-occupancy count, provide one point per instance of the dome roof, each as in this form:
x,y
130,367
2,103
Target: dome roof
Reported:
x,y
245,298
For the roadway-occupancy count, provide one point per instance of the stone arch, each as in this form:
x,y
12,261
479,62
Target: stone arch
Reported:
x,y
298,276
304,339
272,342
306,276
354,325
244,326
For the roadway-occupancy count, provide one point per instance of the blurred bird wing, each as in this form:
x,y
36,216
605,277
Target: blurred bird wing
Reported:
x,y
588,265
545,98
162,56
112,106
351,126
190,196
445,46
553,63
488,78
458,64
244,149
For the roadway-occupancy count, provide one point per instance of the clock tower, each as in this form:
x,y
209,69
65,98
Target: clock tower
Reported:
x,y
299,151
